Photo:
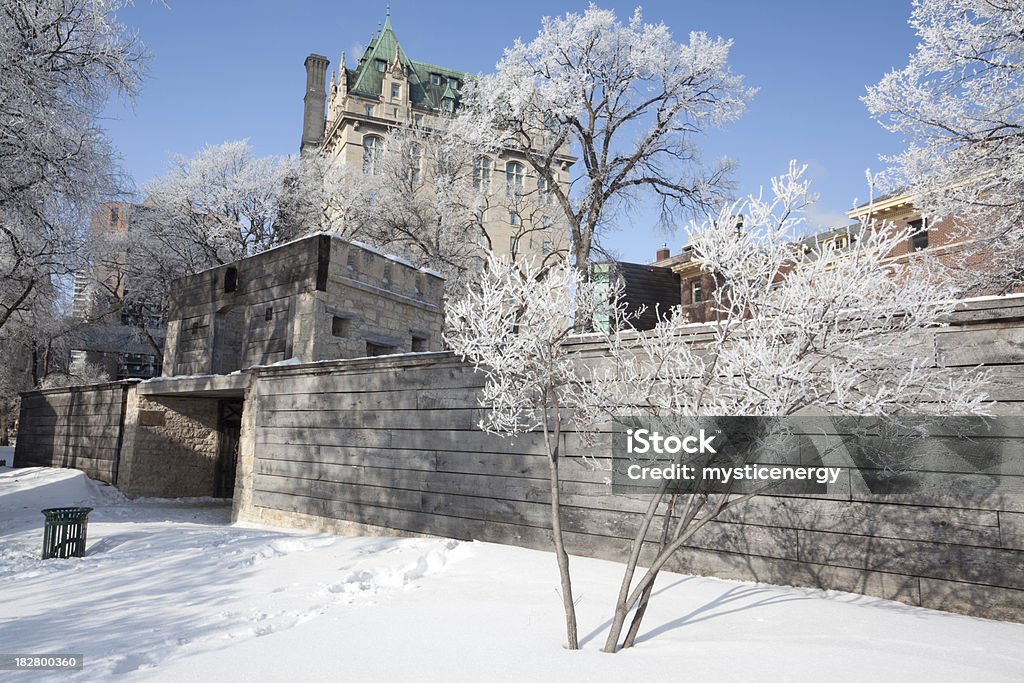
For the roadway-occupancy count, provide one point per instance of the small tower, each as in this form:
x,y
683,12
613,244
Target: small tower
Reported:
x,y
313,121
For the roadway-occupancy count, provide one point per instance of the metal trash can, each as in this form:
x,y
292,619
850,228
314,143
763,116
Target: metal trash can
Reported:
x,y
64,533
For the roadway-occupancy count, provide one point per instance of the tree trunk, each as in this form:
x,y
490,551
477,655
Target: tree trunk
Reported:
x,y
561,555
638,616
622,605
645,597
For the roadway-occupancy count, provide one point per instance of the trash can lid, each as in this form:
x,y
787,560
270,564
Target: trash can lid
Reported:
x,y
70,512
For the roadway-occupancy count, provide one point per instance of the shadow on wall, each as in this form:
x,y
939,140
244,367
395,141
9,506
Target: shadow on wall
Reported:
x,y
913,554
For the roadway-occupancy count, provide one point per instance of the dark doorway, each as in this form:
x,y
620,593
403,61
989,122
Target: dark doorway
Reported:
x,y
229,427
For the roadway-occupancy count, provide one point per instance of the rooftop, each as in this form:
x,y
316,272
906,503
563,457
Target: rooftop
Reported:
x,y
429,84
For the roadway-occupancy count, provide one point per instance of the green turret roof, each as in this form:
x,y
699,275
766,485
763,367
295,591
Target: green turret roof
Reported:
x,y
366,79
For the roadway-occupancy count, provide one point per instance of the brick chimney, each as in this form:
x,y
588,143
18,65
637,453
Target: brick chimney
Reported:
x,y
663,253
313,122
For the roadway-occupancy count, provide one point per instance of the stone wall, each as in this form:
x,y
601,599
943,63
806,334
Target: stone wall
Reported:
x,y
391,446
79,427
317,298
145,445
170,447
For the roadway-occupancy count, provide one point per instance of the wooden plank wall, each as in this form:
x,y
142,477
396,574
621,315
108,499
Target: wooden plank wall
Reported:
x,y
77,427
393,445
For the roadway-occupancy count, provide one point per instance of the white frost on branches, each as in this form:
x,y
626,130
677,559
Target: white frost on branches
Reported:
x,y
798,327
60,62
959,105
221,205
417,196
515,323
628,100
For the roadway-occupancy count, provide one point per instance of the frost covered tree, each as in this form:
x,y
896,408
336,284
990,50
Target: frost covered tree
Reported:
x,y
418,195
797,328
629,100
413,196
221,205
514,325
959,105
60,62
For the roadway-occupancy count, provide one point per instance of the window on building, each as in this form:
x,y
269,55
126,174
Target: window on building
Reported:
x,y
340,327
195,328
231,279
842,242
352,261
696,291
269,314
482,174
418,119
113,216
415,163
454,83
513,218
544,190
373,150
919,234
545,247
382,65
448,105
514,174
396,91
419,344
513,245
385,279
435,79
373,349
368,109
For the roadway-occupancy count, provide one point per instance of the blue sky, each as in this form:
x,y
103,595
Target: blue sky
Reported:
x,y
225,70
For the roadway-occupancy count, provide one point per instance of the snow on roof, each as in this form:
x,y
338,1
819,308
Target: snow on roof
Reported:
x,y
324,233
994,297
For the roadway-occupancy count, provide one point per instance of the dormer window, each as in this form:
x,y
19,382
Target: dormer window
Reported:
x,y
382,65
435,79
454,83
396,91
448,105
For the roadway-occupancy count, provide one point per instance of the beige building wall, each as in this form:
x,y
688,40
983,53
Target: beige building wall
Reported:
x,y
524,223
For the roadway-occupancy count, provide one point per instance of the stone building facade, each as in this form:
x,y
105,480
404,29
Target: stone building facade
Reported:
x,y
314,299
386,88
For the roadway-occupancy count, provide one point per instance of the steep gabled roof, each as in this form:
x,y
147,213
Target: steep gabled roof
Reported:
x,y
366,79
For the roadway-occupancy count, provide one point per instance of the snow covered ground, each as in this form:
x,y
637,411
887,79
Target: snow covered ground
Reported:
x,y
171,591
